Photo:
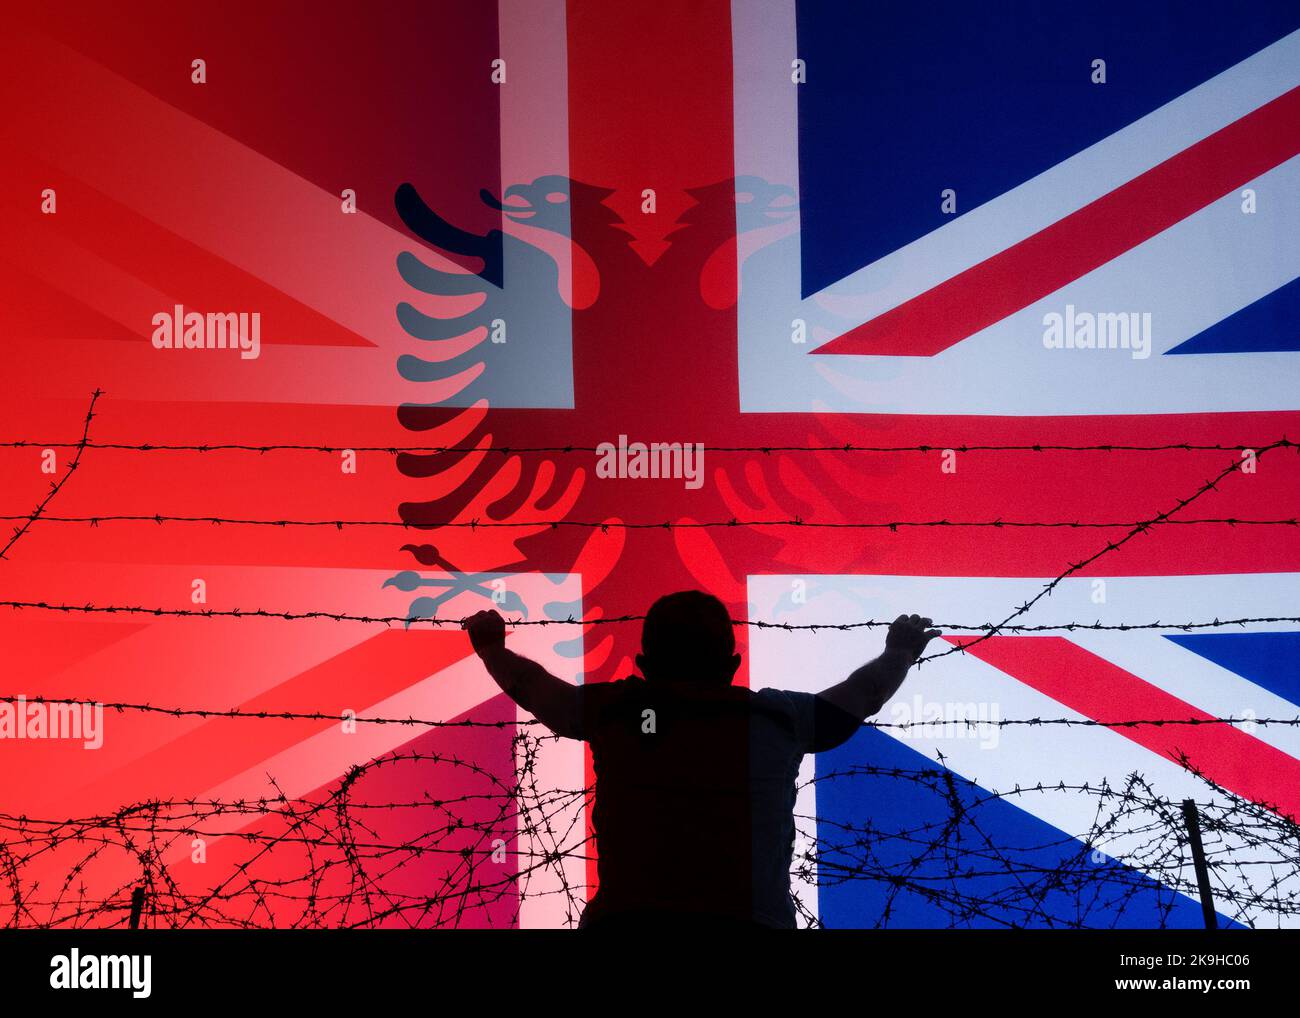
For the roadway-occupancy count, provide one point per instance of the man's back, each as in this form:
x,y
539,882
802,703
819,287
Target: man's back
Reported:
x,y
695,778
695,789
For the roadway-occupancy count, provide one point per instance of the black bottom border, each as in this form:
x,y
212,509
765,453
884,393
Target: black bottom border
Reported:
x,y
513,969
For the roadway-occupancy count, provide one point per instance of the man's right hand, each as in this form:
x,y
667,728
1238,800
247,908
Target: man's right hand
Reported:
x,y
909,634
554,702
487,631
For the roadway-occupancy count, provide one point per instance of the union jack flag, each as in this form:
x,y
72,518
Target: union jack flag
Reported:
x,y
946,179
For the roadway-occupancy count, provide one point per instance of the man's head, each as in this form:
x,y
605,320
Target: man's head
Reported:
x,y
688,637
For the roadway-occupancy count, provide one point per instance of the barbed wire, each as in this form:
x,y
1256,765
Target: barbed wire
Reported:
x,y
1111,546
986,631
511,450
1135,854
346,858
56,486
600,620
607,525
410,720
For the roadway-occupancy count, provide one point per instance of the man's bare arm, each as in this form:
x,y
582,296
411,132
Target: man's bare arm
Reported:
x,y
554,702
869,688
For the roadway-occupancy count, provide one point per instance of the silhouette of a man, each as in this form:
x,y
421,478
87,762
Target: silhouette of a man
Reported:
x,y
695,777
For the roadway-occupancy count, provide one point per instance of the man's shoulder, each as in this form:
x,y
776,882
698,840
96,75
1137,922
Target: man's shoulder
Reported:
x,y
792,711
788,700
818,724
598,695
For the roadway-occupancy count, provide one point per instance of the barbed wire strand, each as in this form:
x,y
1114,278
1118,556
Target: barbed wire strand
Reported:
x,y
511,450
55,486
597,620
972,724
608,525
1111,546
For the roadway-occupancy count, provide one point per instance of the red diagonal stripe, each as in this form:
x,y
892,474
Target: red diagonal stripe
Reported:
x,y
1072,247
368,673
1105,692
